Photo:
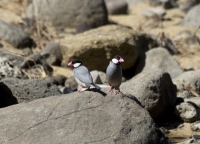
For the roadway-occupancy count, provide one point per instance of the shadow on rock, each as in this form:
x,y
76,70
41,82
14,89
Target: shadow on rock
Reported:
x,y
98,91
6,96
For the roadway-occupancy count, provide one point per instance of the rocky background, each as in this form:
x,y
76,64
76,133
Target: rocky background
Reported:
x,y
159,101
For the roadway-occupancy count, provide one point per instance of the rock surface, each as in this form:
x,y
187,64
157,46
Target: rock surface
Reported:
x,y
97,47
70,13
116,6
30,89
186,112
195,100
155,91
189,81
14,36
7,69
52,54
86,117
192,19
159,58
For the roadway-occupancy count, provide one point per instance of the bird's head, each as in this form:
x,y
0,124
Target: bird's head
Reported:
x,y
75,63
117,59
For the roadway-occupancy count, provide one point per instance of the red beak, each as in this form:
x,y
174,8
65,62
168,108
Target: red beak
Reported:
x,y
121,59
70,64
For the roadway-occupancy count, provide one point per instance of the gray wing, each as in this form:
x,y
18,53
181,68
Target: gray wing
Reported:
x,y
83,74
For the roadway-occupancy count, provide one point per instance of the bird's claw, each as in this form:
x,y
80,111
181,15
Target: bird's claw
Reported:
x,y
117,91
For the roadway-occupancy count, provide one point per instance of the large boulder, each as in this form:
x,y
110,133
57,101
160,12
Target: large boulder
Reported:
x,y
86,117
69,13
14,36
97,47
155,91
189,81
30,89
159,58
192,19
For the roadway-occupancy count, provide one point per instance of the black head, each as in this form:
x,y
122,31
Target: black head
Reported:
x,y
117,60
75,63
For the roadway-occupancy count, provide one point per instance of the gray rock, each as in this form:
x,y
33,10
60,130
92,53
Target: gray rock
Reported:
x,y
69,13
7,69
35,59
189,81
86,117
163,41
167,4
159,58
30,89
14,36
51,80
154,12
71,83
52,54
103,44
186,112
192,19
155,91
103,77
60,79
66,90
195,100
116,6
96,77
196,126
190,141
186,5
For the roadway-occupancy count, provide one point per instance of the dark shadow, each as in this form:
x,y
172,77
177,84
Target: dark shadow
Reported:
x,y
132,97
6,96
97,90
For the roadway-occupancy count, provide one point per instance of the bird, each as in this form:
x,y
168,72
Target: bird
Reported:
x,y
82,75
114,73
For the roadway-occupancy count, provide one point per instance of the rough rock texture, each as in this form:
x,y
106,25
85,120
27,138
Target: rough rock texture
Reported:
x,y
196,126
102,44
186,5
31,89
86,117
52,54
186,112
71,83
70,13
192,19
194,100
189,81
116,6
14,36
155,91
159,58
6,96
7,69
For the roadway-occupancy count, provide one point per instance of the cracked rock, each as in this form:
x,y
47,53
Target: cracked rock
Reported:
x,y
86,117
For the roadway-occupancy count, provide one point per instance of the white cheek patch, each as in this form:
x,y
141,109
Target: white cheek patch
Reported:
x,y
76,65
115,61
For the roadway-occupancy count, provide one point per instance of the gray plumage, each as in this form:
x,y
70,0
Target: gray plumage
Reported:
x,y
114,75
83,77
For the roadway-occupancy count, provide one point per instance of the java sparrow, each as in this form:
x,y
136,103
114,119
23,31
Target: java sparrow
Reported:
x,y
114,73
82,75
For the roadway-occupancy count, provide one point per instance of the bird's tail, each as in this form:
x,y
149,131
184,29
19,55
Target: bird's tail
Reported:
x,y
96,86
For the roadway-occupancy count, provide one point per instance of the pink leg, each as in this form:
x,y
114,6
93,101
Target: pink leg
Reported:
x,y
111,88
117,91
79,90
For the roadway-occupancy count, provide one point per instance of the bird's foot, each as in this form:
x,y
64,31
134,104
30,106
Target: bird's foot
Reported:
x,y
111,89
79,90
117,91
